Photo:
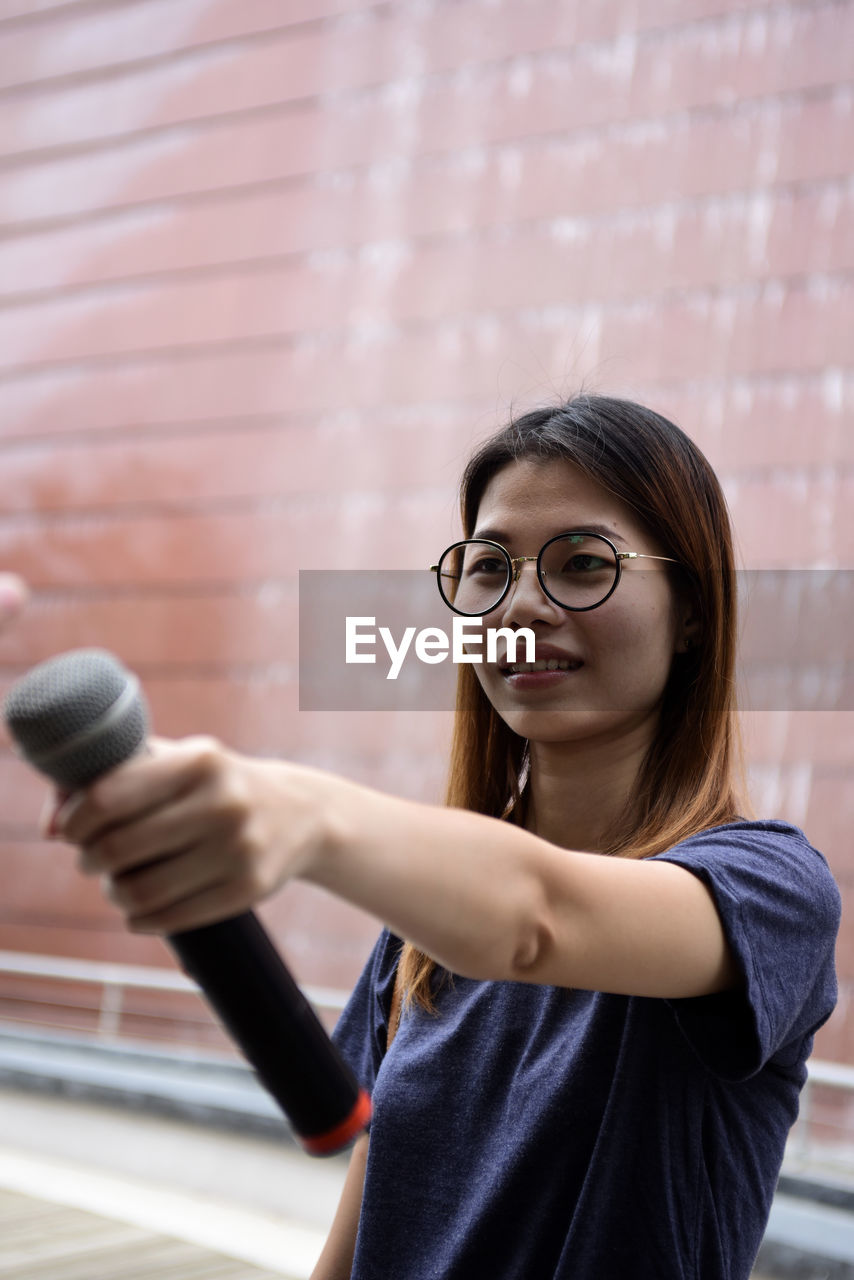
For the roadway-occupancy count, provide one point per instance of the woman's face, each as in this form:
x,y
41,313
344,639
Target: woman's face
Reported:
x,y
619,654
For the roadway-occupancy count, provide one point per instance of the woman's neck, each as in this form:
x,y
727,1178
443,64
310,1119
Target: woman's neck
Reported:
x,y
576,792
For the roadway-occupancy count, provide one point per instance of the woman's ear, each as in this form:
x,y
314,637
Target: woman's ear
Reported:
x,y
688,631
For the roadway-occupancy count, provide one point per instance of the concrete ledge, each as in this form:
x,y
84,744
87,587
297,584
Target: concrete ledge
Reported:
x,y
283,1248
187,1085
782,1262
816,1237
810,1235
821,1189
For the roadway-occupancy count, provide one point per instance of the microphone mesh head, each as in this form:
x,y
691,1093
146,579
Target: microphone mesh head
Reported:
x,y
77,716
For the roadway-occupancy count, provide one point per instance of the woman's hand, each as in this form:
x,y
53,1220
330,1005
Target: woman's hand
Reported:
x,y
13,596
192,833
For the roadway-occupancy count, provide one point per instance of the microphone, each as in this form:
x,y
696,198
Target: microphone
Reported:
x,y
75,717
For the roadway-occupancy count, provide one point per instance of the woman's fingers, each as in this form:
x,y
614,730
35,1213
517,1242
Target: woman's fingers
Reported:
x,y
191,832
14,594
185,835
52,807
201,907
174,852
152,892
147,782
214,814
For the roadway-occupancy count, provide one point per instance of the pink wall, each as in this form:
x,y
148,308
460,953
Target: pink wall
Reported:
x,y
268,269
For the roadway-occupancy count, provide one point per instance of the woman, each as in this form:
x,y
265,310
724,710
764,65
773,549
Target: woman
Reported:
x,y
598,1057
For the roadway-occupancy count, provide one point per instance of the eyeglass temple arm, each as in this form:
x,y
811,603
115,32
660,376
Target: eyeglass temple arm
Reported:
x,y
640,555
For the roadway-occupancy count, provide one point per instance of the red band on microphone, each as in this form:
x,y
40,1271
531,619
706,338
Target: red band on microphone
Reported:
x,y
326,1144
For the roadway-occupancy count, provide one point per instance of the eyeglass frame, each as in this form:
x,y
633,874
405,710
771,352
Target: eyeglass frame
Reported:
x,y
514,571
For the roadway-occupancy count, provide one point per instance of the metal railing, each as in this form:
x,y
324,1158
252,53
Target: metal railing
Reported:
x,y
824,1142
816,1140
114,980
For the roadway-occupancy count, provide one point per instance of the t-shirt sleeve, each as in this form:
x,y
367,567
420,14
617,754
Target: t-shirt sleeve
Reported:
x,y
780,910
361,1032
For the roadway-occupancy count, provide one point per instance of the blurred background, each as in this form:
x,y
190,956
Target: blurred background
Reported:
x,y
269,269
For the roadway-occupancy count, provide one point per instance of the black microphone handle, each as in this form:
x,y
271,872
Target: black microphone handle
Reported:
x,y
76,717
259,1003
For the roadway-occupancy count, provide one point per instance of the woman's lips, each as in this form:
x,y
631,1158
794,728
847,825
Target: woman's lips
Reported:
x,y
543,664
549,669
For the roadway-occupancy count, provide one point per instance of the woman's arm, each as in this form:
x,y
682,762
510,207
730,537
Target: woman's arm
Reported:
x,y
336,1260
195,833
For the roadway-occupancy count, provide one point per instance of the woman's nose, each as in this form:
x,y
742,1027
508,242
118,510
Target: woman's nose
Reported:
x,y
526,601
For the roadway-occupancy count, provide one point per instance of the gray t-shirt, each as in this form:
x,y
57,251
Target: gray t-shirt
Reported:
x,y
539,1133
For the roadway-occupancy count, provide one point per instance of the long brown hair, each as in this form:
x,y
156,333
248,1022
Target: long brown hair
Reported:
x,y
685,783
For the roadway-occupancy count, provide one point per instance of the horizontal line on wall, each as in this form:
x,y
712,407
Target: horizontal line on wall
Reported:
x,y
401,416
607,131
836,470
623,217
206,508
204,427
46,518
49,15
109,71
41,157
543,318
652,34
48,920
393,417
368,759
228,589
783,382
267,673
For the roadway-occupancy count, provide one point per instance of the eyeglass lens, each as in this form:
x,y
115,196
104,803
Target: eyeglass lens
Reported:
x,y
578,571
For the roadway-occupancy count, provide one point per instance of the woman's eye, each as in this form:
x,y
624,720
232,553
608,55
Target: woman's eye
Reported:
x,y
487,565
584,563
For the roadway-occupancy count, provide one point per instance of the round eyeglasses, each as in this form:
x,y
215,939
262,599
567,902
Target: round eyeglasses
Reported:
x,y
578,570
